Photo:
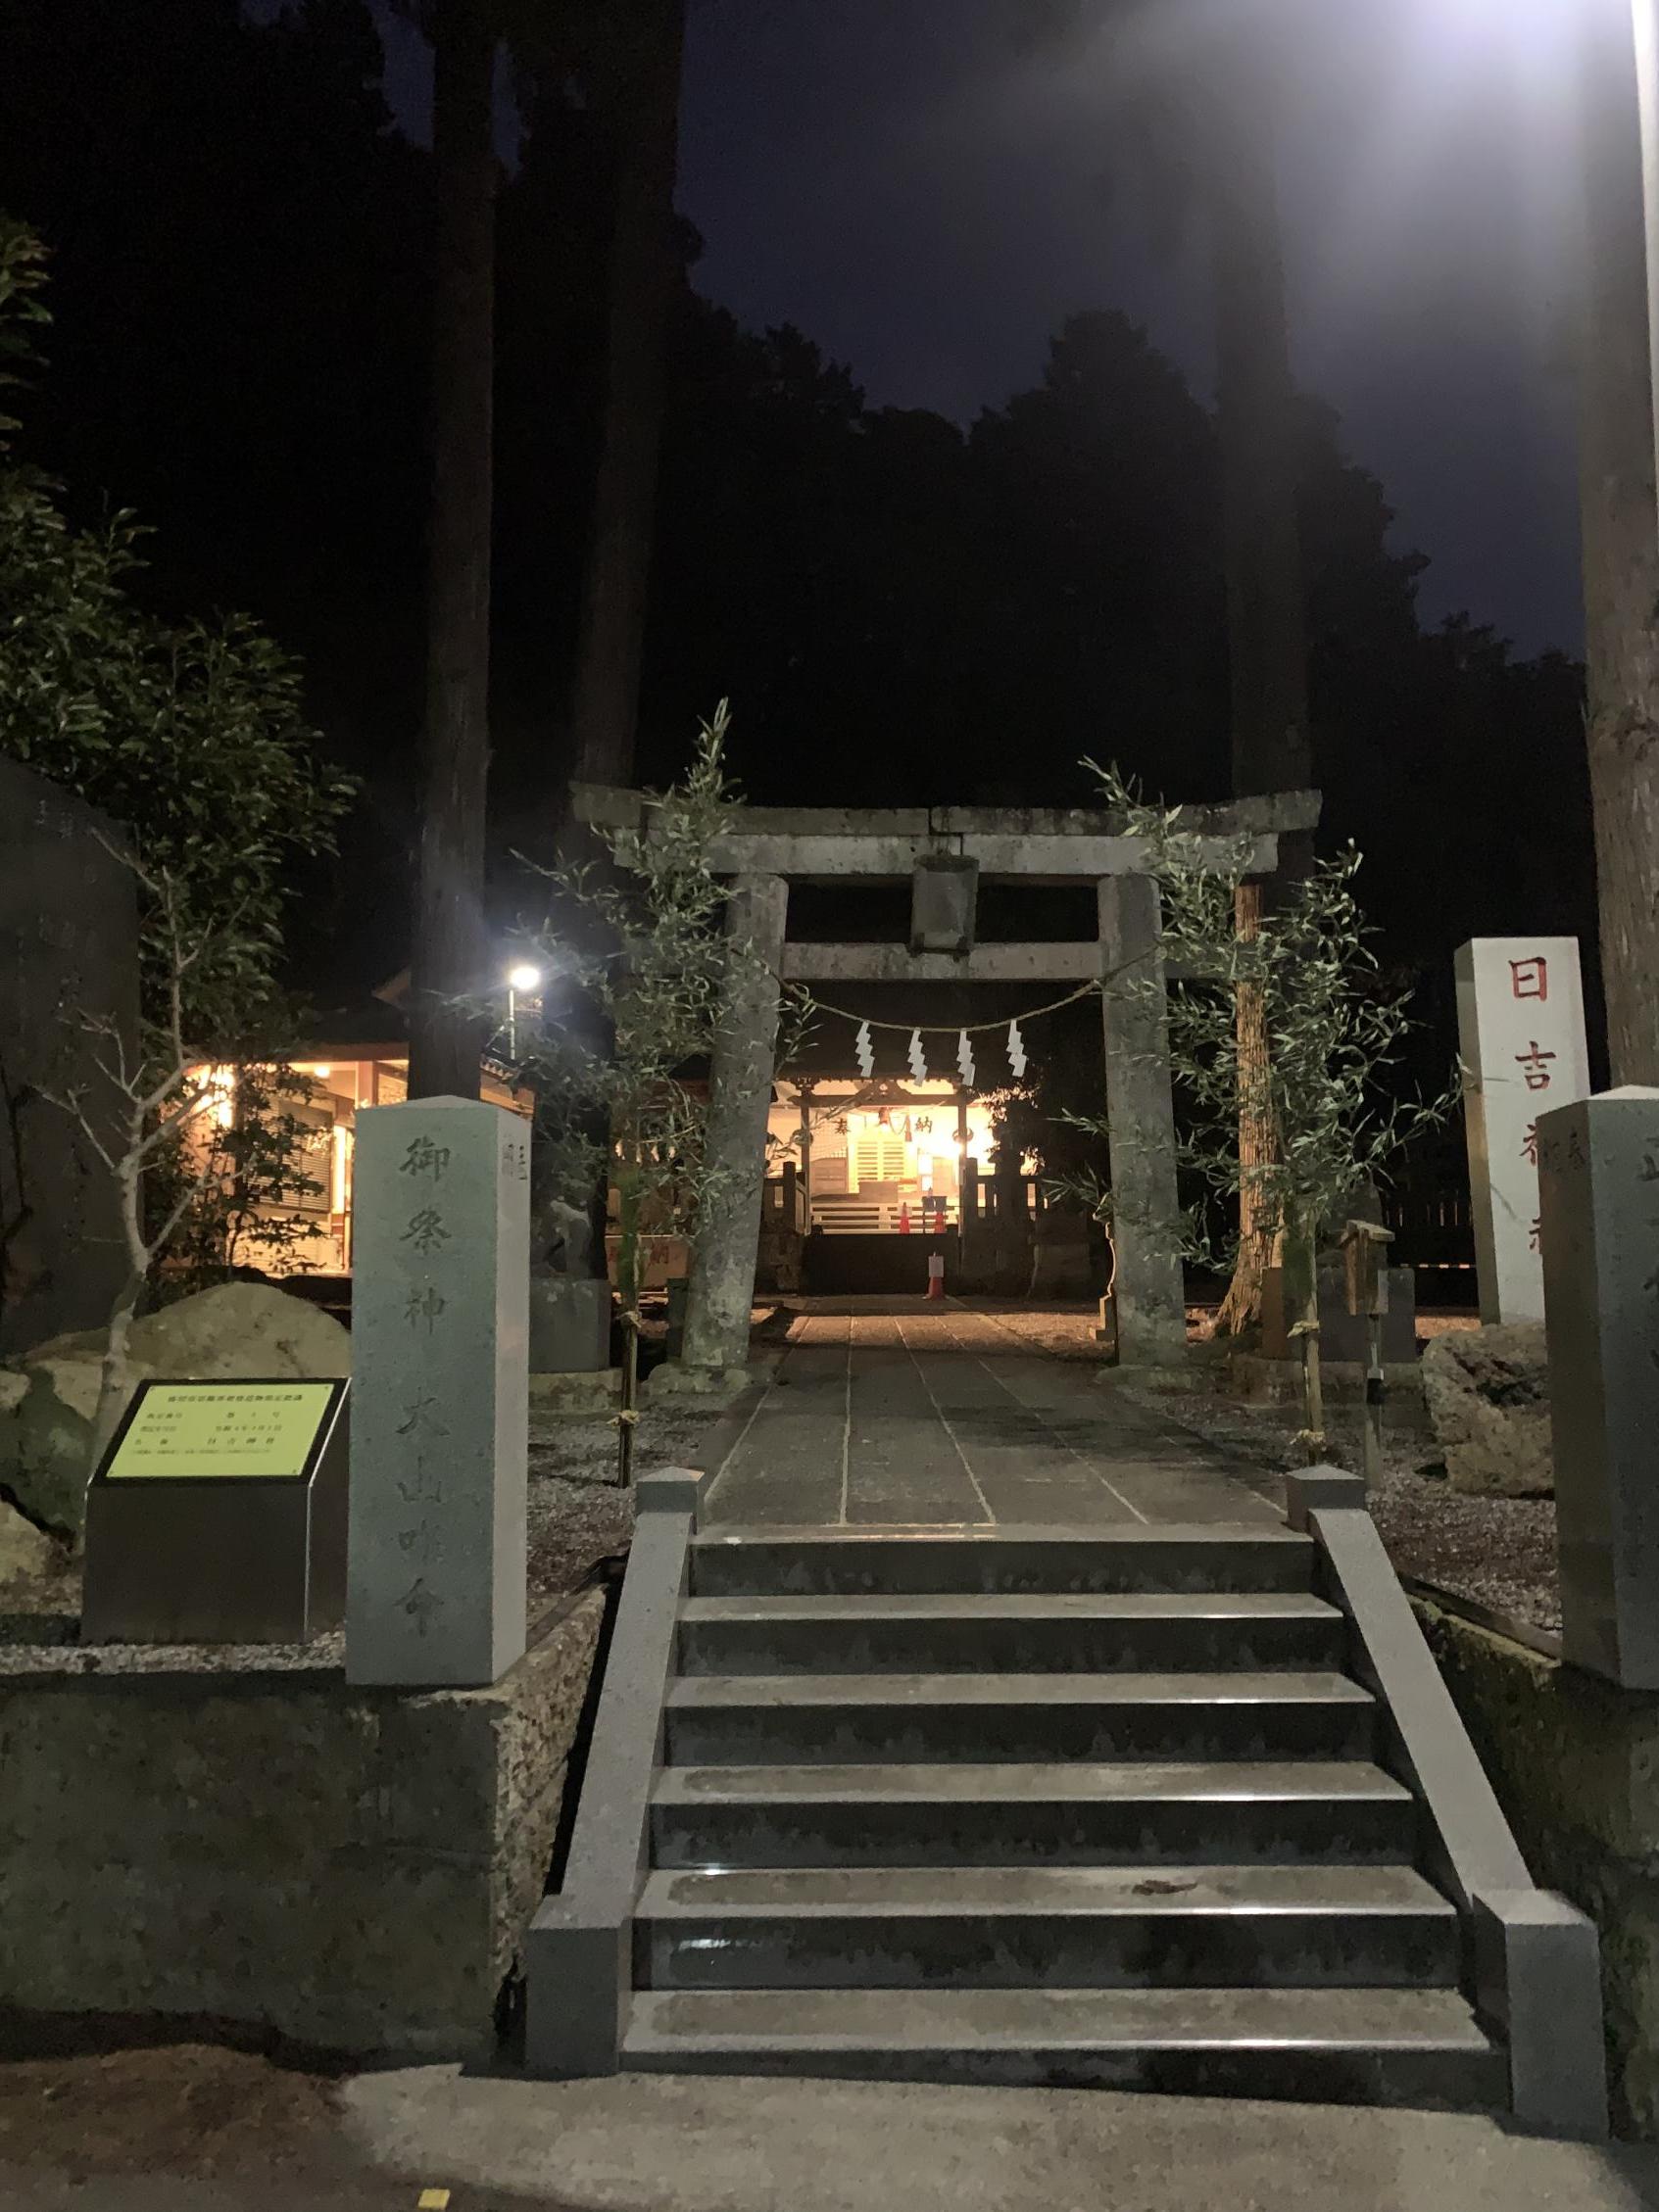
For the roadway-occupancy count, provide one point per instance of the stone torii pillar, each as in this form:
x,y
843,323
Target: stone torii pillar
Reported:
x,y
1152,1305
728,1233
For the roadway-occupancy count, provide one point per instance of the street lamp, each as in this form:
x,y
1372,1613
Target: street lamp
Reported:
x,y
522,981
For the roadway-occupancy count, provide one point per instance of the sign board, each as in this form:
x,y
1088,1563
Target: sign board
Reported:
x,y
1521,1037
221,1431
217,1515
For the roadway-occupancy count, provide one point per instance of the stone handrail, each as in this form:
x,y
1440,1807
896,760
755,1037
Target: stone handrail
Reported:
x,y
579,1957
1534,1959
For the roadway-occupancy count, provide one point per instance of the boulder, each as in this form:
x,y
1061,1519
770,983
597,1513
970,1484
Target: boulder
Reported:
x,y
1488,1395
26,1552
49,1396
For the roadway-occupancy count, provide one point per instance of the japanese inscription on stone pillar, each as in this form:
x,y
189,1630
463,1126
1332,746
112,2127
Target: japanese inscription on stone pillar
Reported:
x,y
1521,1037
439,1330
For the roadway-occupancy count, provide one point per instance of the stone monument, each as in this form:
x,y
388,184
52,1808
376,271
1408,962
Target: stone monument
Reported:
x,y
69,937
1598,1164
1521,1034
436,1555
569,1305
1341,1335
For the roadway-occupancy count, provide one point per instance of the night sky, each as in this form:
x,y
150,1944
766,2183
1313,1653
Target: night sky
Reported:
x,y
928,204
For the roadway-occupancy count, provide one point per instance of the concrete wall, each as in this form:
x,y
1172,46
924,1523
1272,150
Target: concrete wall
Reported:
x,y
356,1868
1576,1766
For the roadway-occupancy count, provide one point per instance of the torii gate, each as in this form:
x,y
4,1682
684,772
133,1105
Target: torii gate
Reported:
x,y
945,853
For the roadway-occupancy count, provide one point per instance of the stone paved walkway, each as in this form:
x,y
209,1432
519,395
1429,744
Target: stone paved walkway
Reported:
x,y
890,1411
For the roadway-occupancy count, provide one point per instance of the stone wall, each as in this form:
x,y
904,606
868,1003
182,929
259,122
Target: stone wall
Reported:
x,y
353,1868
1576,1764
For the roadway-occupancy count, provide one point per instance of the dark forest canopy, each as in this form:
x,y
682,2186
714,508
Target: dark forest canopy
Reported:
x,y
900,609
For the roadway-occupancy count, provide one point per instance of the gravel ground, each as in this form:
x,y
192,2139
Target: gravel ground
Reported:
x,y
579,1514
1498,1550
87,2095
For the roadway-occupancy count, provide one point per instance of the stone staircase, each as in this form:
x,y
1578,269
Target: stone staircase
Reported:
x,y
1076,1806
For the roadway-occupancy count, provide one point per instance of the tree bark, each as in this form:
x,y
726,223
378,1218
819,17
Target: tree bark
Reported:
x,y
1258,1234
1266,611
643,273
1620,525
450,966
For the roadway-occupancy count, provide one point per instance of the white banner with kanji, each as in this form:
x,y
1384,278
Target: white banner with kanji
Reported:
x,y
1521,1039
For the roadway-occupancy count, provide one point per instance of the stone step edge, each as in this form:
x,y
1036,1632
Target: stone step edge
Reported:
x,y
716,1693
1033,1783
868,1609
988,1535
1074,1892
1112,2019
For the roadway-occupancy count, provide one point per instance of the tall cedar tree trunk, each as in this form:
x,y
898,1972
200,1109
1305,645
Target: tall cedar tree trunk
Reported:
x,y
1259,1238
1266,620
1620,547
644,269
450,964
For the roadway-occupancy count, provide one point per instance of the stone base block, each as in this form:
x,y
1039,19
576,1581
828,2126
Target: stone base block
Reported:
x,y
569,1325
583,1397
357,1868
1545,1956
1260,1380
712,1385
1343,1335
1148,1374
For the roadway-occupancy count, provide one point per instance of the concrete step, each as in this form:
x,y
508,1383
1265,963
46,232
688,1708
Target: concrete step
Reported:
x,y
982,1631
734,1562
849,1719
1372,2047
1061,1927
1044,1814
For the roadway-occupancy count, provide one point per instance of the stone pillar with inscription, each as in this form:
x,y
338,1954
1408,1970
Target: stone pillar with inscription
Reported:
x,y
1521,1039
1599,1183
436,1551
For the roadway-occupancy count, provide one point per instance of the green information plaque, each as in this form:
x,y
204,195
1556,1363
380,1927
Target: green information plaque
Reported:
x,y
196,1431
218,1516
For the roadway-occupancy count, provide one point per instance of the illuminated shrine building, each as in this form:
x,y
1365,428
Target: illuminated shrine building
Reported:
x,y
879,1155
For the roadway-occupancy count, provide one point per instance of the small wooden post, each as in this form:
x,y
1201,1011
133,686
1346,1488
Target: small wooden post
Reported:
x,y
805,1098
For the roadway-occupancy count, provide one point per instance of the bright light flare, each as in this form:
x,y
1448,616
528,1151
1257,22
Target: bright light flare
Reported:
x,y
524,977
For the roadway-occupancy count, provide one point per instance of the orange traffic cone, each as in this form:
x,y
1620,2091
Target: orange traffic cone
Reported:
x,y
904,1219
936,1275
